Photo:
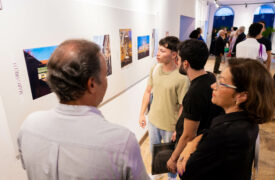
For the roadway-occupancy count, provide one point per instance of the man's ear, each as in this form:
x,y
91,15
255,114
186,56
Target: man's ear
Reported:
x,y
91,85
174,55
185,63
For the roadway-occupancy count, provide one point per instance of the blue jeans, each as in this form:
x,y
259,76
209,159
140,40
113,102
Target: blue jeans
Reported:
x,y
156,135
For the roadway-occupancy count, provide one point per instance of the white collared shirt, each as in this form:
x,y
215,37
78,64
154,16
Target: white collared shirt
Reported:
x,y
249,48
77,143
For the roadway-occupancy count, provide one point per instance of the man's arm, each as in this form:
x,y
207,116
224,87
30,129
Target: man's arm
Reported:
x,y
189,133
268,61
174,136
145,102
180,110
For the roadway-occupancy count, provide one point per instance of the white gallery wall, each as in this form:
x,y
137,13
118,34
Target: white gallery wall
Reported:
x,y
202,13
39,23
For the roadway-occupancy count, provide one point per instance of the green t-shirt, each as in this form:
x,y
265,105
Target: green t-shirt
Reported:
x,y
168,89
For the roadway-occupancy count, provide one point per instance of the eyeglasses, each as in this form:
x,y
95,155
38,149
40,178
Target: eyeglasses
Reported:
x,y
218,82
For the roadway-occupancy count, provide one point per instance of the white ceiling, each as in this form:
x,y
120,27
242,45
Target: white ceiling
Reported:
x,y
224,2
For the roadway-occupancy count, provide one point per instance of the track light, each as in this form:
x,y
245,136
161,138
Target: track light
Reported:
x,y
216,3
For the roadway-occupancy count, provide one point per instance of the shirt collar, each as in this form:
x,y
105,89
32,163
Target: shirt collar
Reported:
x,y
201,76
76,110
241,115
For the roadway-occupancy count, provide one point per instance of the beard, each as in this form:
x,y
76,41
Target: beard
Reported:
x,y
182,70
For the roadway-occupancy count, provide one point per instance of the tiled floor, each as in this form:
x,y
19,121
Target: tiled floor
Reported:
x,y
266,169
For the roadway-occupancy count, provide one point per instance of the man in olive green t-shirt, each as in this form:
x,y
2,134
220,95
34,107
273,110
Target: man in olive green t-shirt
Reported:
x,y
168,87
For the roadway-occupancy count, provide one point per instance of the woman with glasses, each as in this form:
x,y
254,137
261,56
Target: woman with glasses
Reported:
x,y
245,90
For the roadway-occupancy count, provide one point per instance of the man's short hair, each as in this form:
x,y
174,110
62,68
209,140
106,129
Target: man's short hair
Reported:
x,y
235,28
195,52
263,22
255,29
70,67
170,42
199,29
194,34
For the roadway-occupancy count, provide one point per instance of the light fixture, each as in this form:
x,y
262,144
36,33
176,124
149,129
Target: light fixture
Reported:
x,y
245,5
216,3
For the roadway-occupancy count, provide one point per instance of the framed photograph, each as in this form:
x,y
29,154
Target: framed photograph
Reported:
x,y
104,43
143,46
155,42
125,46
36,62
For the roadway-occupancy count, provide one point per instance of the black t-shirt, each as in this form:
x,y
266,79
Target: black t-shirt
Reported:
x,y
197,105
266,42
219,46
226,150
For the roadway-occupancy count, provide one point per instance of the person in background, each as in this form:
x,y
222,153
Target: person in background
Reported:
x,y
200,31
198,110
219,51
195,34
241,37
168,87
213,41
74,140
232,39
267,43
251,48
226,151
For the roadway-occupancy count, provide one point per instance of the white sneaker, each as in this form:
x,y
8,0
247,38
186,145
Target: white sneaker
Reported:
x,y
156,176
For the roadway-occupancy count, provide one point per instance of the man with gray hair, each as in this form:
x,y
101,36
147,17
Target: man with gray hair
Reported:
x,y
241,37
219,51
73,140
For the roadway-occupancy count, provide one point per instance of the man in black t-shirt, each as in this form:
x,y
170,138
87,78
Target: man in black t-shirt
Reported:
x,y
267,44
198,110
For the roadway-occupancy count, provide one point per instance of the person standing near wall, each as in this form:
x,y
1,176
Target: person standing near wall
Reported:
x,y
219,51
200,31
73,140
267,43
195,34
169,88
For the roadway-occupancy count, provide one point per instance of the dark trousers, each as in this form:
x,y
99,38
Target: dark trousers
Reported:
x,y
217,64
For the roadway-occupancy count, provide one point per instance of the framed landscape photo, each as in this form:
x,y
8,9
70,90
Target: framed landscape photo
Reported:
x,y
143,46
36,62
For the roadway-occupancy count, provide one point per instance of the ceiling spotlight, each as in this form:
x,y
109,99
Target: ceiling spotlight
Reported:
x,y
216,3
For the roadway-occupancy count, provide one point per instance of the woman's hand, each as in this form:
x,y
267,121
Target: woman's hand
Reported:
x,y
184,156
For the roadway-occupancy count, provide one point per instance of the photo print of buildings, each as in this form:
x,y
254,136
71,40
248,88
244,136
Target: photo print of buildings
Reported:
x,y
125,46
